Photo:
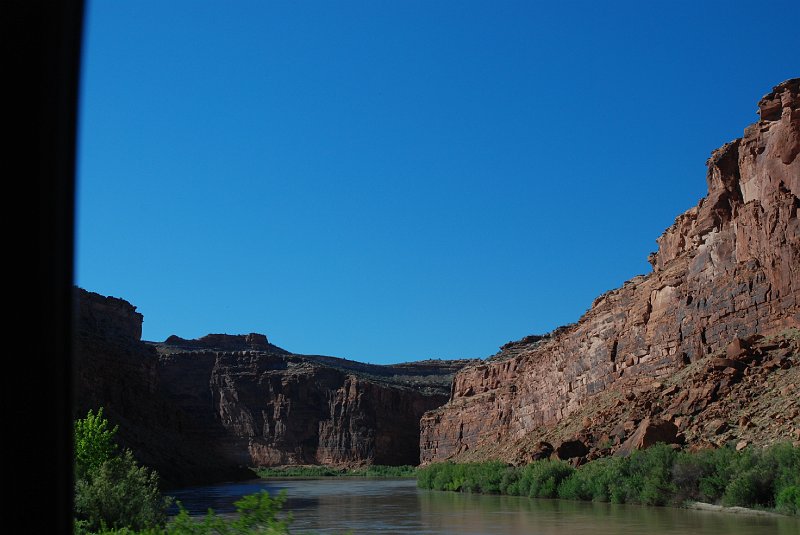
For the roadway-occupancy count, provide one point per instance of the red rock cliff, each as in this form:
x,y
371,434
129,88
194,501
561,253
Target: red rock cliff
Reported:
x,y
726,268
270,407
201,410
113,369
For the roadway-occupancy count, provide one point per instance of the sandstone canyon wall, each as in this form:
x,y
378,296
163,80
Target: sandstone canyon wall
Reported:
x,y
726,270
274,408
202,410
113,369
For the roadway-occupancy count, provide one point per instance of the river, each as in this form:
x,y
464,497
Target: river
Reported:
x,y
360,505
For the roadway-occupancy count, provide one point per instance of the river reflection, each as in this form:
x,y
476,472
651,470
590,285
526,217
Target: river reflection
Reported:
x,y
356,505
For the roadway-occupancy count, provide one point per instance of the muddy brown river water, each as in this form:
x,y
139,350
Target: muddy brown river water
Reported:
x,y
356,505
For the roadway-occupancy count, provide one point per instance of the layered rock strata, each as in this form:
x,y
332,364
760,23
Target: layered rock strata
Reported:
x,y
727,268
271,407
201,410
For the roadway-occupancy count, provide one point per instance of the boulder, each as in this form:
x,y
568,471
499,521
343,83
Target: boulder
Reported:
x,y
649,432
737,349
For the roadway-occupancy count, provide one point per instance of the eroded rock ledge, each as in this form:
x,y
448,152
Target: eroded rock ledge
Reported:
x,y
726,269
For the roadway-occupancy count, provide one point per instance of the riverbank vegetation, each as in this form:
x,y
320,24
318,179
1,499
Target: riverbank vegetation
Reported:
x,y
111,489
116,496
757,478
328,471
255,513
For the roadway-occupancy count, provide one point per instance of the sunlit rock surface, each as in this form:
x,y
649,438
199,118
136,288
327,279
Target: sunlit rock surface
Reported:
x,y
726,269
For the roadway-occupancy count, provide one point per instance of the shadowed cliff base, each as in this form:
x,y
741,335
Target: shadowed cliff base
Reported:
x,y
703,350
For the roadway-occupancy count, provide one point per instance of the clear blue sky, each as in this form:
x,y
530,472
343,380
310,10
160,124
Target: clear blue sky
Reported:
x,y
396,180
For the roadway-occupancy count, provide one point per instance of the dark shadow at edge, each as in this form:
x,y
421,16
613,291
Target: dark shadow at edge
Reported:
x,y
44,50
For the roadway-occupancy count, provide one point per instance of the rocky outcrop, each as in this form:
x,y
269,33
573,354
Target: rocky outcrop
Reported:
x,y
649,432
276,408
113,369
107,318
726,269
201,410
226,342
754,399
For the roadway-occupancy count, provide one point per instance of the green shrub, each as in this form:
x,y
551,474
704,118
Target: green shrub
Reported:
x,y
592,481
300,471
426,474
541,479
120,494
763,475
705,475
488,478
376,470
784,460
116,496
647,476
788,500
509,482
260,512
749,488
111,490
255,513
442,478
655,476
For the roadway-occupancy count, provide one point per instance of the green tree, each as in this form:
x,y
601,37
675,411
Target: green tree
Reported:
x,y
119,494
111,489
94,443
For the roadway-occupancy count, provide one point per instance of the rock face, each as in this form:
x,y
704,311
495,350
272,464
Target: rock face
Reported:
x,y
201,410
113,369
270,407
226,342
726,269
